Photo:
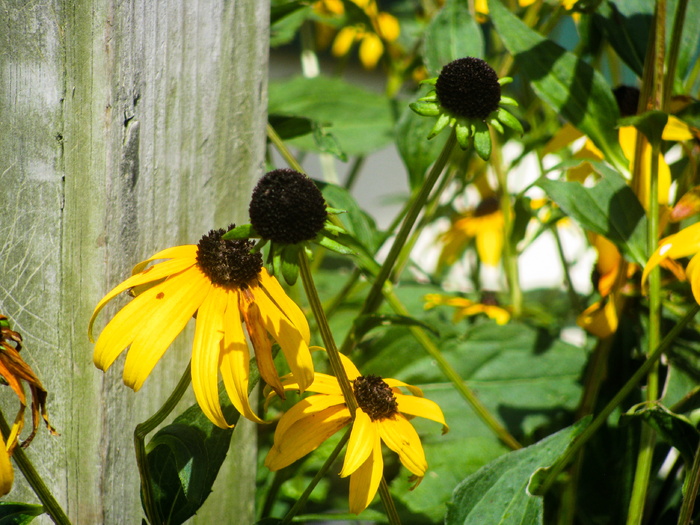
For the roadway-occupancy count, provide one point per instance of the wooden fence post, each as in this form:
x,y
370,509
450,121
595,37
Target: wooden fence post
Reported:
x,y
125,127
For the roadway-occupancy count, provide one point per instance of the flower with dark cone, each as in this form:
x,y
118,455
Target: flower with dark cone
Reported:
x,y
225,284
383,415
467,96
13,370
288,210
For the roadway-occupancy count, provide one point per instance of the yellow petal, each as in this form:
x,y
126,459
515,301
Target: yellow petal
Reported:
x,y
489,242
400,436
342,42
693,273
600,319
387,26
7,475
303,409
154,273
181,297
208,336
676,130
350,368
395,383
364,482
371,50
362,439
305,435
565,136
289,338
235,360
322,384
285,304
682,244
419,406
481,6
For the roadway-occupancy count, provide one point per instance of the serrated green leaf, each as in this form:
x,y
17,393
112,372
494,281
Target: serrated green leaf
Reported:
x,y
417,152
673,428
18,513
610,208
564,81
360,120
498,492
452,34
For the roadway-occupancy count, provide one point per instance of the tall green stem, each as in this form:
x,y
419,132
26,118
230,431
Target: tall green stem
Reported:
x,y
51,506
140,433
631,383
282,148
691,489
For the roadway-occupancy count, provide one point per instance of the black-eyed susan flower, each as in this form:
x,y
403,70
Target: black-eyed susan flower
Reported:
x,y
226,286
382,416
682,244
467,308
13,371
288,211
467,96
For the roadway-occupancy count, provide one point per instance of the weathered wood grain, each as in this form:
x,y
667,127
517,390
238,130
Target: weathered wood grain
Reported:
x,y
125,127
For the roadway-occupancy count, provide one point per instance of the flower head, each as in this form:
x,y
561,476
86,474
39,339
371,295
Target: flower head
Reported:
x,y
382,416
467,308
13,371
225,284
467,96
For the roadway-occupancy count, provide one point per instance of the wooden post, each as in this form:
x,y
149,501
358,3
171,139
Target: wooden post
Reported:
x,y
125,127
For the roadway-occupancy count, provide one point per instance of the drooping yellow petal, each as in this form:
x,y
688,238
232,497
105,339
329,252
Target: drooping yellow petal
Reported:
x,y
400,436
364,482
395,383
322,384
174,304
489,241
387,26
186,251
601,319
419,406
362,439
295,349
682,244
303,409
676,130
371,50
565,136
350,368
693,273
285,304
7,475
206,347
344,40
628,142
305,435
154,273
234,361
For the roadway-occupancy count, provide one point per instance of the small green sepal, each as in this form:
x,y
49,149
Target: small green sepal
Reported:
x,y
464,136
482,141
425,109
442,121
332,229
244,231
335,211
509,120
505,81
290,263
429,81
333,245
430,97
493,121
508,101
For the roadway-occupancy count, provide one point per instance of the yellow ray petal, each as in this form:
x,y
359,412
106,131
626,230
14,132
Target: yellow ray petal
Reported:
x,y
350,368
565,136
362,438
676,130
400,436
693,273
285,304
186,251
371,50
305,435
344,40
235,359
208,337
419,406
395,383
7,475
180,298
306,407
154,273
364,482
387,26
489,241
682,244
295,349
322,384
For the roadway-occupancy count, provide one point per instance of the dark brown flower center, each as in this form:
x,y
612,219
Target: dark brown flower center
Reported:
x,y
228,263
287,207
468,87
375,397
627,98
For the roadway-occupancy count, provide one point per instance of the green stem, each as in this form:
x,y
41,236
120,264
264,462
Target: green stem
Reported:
x,y
140,433
282,148
573,296
627,388
510,258
51,506
691,490
318,477
391,512
676,33
336,363
375,295
453,376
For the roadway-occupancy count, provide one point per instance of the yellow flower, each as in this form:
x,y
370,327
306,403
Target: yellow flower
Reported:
x,y
13,370
682,244
225,285
484,225
383,415
482,6
466,308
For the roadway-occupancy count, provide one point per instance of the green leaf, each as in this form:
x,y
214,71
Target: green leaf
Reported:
x,y
356,222
417,152
498,492
452,34
361,121
290,127
690,42
673,428
18,513
565,82
286,19
244,231
184,459
365,323
610,209
651,123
